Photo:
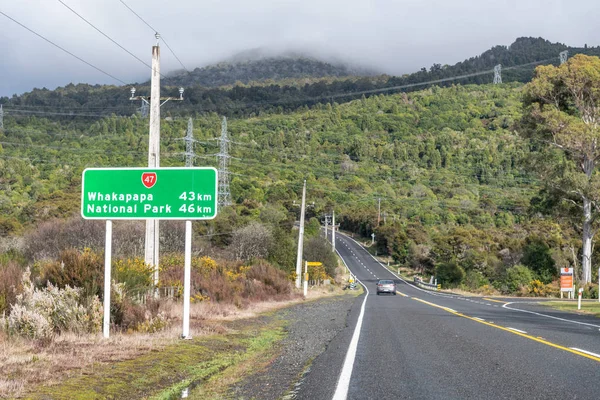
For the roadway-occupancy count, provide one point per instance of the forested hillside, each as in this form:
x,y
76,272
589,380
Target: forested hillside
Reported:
x,y
446,162
518,61
257,70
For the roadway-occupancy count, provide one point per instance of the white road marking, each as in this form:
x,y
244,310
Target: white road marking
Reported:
x,y
515,329
549,316
479,319
586,352
488,304
341,390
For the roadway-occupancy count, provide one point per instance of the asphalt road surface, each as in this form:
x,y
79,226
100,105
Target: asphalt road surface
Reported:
x,y
426,345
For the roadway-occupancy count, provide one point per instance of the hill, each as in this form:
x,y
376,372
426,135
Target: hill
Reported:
x,y
445,162
518,61
257,66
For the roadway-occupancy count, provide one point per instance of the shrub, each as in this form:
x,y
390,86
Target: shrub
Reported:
x,y
76,269
41,313
251,242
10,282
590,291
130,316
134,274
275,282
317,249
538,289
475,280
536,256
449,273
517,278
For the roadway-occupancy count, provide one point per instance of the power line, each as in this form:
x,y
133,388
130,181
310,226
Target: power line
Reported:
x,y
155,31
141,19
104,34
63,49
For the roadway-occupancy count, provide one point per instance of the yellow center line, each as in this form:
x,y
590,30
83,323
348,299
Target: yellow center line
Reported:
x,y
495,301
536,339
401,294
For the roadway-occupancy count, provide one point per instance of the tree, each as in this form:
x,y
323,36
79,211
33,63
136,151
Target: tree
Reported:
x,y
537,257
252,241
563,119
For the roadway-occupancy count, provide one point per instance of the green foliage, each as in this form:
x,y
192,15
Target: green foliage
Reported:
x,y
83,270
537,257
449,273
312,228
517,278
317,249
392,240
134,274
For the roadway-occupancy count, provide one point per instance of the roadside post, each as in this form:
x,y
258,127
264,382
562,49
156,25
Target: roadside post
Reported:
x,y
187,278
149,194
579,299
107,280
305,278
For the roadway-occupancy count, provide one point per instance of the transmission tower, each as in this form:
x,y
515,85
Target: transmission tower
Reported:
x,y
497,74
224,193
189,144
144,109
1,117
563,55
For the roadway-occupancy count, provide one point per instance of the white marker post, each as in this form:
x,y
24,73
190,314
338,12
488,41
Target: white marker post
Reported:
x,y
579,299
107,280
305,278
187,280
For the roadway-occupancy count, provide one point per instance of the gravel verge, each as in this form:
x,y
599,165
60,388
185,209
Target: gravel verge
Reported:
x,y
310,326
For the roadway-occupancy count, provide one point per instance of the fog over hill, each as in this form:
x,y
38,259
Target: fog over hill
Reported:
x,y
262,64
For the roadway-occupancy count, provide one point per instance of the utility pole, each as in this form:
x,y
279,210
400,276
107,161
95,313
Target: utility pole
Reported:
x,y
333,231
1,117
378,210
563,55
224,195
152,226
497,74
300,239
326,221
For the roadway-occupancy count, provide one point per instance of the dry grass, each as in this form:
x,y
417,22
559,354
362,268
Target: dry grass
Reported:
x,y
26,365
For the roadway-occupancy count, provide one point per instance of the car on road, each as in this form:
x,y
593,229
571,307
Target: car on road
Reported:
x,y
386,286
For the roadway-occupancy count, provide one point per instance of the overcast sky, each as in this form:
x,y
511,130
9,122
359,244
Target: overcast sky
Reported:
x,y
394,36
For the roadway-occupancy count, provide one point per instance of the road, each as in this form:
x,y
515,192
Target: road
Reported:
x,y
425,345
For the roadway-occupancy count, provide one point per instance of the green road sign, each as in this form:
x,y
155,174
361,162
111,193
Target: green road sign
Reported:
x,y
149,193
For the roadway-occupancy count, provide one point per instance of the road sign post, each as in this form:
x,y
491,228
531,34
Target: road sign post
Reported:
x,y
107,279
149,194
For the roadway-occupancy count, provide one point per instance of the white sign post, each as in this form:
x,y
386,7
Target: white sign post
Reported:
x,y
107,280
579,299
187,280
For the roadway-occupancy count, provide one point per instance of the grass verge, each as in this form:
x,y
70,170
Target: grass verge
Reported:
x,y
163,374
587,307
